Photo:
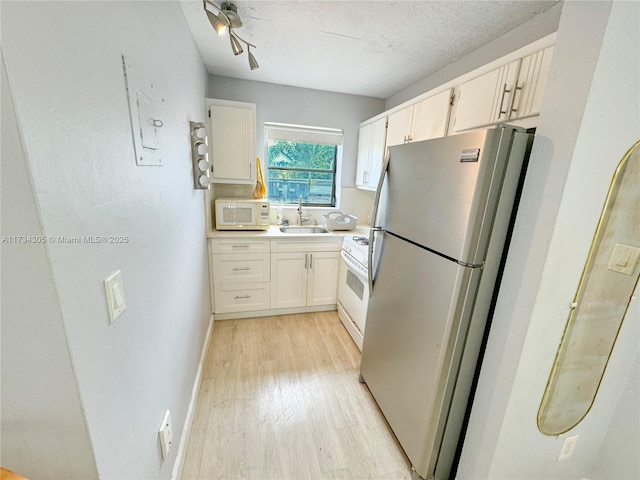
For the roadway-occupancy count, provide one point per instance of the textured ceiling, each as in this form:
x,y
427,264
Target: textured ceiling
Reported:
x,y
370,48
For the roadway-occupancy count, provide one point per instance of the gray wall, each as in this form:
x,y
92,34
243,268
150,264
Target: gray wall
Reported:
x,y
302,106
585,128
64,64
43,426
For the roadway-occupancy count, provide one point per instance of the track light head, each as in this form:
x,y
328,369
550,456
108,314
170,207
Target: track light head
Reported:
x,y
219,24
253,63
235,44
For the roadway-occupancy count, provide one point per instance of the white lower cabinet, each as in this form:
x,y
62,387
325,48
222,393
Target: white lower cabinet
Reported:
x,y
243,297
304,273
322,278
241,281
267,275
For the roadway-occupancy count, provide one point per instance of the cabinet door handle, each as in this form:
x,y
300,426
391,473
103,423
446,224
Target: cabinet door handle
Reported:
x,y
240,297
513,98
310,261
306,260
241,269
505,90
240,246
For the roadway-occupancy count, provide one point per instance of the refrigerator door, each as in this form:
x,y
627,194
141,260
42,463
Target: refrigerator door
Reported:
x,y
420,303
440,192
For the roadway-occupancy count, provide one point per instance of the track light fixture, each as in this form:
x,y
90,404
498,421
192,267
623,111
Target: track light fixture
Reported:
x,y
226,17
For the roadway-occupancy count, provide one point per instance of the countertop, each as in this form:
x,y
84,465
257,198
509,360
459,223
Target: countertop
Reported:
x,y
274,232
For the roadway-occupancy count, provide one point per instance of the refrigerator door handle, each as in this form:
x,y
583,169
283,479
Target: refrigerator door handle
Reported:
x,y
376,198
374,218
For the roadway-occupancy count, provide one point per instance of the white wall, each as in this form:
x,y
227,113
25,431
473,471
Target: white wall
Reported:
x,y
302,106
618,458
590,118
64,64
539,26
43,426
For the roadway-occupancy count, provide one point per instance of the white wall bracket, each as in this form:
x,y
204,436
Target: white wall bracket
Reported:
x,y
145,105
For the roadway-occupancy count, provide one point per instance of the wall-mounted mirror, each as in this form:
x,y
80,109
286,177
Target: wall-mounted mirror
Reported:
x,y
608,282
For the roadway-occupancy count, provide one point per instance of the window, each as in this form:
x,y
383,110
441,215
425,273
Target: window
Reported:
x,y
302,162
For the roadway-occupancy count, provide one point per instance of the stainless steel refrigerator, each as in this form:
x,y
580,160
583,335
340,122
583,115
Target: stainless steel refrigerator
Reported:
x,y
442,213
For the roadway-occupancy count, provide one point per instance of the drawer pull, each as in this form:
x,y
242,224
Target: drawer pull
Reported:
x,y
241,269
240,297
240,246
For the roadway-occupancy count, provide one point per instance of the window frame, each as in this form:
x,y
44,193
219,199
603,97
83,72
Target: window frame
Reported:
x,y
310,135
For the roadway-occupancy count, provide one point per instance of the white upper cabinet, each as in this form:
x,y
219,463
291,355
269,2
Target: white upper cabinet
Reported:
x,y
510,92
232,139
399,126
486,99
371,148
532,80
425,119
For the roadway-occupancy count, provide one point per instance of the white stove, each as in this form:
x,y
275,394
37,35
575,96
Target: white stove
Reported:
x,y
353,286
355,251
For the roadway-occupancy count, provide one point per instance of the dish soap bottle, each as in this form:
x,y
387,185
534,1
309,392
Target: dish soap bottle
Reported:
x,y
279,215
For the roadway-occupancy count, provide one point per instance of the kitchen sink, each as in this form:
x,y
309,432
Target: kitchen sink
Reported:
x,y
303,230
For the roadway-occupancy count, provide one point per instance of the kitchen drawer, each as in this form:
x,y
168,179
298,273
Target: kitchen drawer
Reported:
x,y
326,244
243,297
240,245
241,268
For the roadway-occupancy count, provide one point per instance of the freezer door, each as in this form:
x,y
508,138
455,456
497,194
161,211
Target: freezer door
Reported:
x,y
441,193
417,308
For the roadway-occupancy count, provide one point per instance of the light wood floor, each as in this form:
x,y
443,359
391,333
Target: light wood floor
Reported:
x,y
280,399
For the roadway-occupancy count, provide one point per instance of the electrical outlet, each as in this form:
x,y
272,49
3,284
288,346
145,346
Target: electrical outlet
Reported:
x,y
166,434
568,446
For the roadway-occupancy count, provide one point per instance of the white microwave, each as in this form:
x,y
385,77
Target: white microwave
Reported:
x,y
241,214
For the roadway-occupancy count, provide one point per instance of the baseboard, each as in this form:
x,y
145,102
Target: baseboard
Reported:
x,y
188,422
278,311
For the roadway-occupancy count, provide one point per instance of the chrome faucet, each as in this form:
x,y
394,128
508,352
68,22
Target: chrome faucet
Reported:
x,y
301,220
300,210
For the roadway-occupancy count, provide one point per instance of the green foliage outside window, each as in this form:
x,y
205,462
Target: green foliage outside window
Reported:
x,y
298,169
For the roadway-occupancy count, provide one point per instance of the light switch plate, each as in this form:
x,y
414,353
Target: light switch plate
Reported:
x,y
568,446
165,432
115,295
624,258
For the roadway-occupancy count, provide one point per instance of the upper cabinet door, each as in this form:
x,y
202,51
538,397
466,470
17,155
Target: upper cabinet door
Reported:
x,y
362,165
371,149
232,141
425,119
399,127
377,149
486,99
532,80
431,117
